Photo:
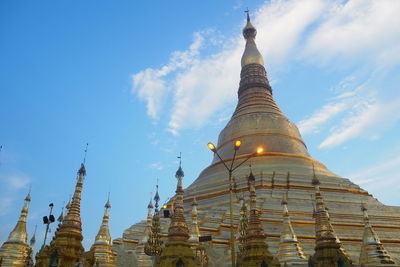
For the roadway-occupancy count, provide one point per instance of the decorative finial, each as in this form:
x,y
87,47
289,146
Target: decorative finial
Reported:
x,y
179,173
180,158
108,205
247,11
157,196
84,158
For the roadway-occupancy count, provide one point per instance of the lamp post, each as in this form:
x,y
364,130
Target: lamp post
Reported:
x,y
230,170
48,221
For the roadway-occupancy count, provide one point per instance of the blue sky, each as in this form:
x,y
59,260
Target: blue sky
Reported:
x,y
141,82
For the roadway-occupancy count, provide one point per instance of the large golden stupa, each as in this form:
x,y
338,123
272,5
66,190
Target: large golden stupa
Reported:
x,y
285,170
285,209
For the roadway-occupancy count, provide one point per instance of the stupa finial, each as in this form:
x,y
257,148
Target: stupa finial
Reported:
x,y
251,54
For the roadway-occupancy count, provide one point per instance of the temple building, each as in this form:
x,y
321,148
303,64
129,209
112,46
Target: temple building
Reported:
x,y
284,170
285,209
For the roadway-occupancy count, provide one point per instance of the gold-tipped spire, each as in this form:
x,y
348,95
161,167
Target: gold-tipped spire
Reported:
x,y
329,251
154,243
15,251
289,249
255,252
67,241
372,251
177,251
72,220
101,249
251,55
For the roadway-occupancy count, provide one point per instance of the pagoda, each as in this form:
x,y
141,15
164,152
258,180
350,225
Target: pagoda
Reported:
x,y
101,254
285,166
16,252
66,247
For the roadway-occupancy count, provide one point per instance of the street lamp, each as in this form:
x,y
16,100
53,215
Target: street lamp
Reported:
x,y
48,221
230,170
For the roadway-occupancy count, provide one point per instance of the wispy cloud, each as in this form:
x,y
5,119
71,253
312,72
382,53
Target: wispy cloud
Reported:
x,y
156,166
150,84
315,121
357,29
15,181
370,119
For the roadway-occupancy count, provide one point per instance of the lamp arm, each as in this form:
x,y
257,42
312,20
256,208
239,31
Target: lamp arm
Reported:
x,y
215,152
241,163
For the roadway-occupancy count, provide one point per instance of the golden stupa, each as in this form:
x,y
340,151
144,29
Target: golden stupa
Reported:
x,y
284,170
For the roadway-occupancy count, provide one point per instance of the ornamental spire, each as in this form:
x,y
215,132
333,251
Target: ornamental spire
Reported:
x,y
290,250
103,236
372,251
153,245
102,251
19,233
178,229
177,250
251,54
15,251
72,220
328,248
255,252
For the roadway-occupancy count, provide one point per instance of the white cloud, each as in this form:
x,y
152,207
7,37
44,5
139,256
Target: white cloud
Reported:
x,y
16,181
156,166
150,84
320,117
371,118
364,29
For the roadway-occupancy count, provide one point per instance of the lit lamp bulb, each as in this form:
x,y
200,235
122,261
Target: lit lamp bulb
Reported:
x,y
259,150
211,146
165,206
237,144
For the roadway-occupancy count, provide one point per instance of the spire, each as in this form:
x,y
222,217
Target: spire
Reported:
x,y
15,251
328,247
66,247
149,222
101,249
103,236
154,243
33,238
195,231
72,220
251,54
178,229
290,250
372,251
177,250
61,217
255,252
19,234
